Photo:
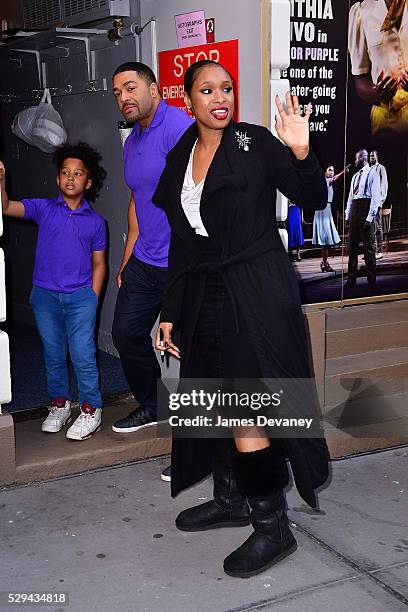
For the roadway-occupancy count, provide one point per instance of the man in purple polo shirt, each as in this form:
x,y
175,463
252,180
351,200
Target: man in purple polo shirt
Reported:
x,y
142,274
69,272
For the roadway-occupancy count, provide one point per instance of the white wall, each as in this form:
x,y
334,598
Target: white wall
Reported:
x,y
5,382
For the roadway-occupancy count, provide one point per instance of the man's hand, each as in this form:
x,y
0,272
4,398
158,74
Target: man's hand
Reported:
x,y
132,235
386,87
2,172
166,328
404,80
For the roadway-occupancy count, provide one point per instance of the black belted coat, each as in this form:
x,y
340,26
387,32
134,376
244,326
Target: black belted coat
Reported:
x,y
238,209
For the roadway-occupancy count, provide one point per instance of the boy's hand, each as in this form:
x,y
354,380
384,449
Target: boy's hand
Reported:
x,y
11,208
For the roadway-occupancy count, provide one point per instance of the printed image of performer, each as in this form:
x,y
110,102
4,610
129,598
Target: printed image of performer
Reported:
x,y
295,232
324,229
378,46
363,203
382,173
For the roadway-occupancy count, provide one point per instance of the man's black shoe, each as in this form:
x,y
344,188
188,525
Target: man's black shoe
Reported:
x,y
138,419
166,474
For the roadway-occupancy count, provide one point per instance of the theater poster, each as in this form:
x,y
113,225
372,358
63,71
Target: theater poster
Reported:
x,y
350,59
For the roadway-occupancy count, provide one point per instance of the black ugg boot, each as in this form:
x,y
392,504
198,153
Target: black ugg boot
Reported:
x,y
229,508
263,474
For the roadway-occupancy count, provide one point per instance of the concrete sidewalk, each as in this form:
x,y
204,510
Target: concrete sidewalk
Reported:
x,y
108,539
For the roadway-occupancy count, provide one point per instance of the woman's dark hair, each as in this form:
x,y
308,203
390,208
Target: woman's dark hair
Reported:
x,y
91,160
192,71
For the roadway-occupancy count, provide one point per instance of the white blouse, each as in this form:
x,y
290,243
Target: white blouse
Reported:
x,y
191,198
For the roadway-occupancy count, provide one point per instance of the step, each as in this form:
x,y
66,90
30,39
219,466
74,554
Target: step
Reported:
x,y
40,456
366,338
387,416
371,363
370,314
370,374
360,426
342,444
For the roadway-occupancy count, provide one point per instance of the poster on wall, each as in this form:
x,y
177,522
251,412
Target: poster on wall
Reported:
x,y
174,63
347,58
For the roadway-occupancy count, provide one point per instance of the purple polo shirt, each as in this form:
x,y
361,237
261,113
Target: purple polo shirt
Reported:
x,y
66,240
144,155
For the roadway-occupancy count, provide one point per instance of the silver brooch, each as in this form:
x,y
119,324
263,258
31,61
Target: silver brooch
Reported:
x,y
243,140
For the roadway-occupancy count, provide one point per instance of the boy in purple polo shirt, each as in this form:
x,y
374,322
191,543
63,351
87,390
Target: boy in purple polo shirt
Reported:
x,y
69,272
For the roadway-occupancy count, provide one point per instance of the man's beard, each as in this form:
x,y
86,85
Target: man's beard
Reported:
x,y
133,116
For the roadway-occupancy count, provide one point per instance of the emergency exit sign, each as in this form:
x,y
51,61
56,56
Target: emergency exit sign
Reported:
x,y
210,29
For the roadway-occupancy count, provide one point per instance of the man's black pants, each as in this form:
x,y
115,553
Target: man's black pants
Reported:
x,y
359,231
137,307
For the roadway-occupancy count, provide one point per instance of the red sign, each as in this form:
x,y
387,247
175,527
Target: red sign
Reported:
x,y
174,63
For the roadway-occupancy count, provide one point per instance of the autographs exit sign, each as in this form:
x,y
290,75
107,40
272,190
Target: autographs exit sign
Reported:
x,y
191,29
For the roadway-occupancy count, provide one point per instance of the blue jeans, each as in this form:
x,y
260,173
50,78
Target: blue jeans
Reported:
x,y
67,320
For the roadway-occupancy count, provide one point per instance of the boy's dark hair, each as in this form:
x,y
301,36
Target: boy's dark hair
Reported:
x,y
143,71
192,71
91,160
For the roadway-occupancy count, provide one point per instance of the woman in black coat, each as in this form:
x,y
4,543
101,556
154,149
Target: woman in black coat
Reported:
x,y
234,297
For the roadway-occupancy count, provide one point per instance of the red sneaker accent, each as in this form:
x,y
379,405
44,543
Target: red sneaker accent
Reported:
x,y
58,402
87,408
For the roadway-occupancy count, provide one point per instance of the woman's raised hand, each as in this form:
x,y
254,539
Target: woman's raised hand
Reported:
x,y
166,344
291,127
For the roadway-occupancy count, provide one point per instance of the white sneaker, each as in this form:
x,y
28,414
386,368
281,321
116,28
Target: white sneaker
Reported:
x,y
379,255
57,418
85,425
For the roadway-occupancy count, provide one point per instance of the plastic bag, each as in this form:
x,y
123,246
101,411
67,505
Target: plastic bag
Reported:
x,y
40,126
48,130
22,125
